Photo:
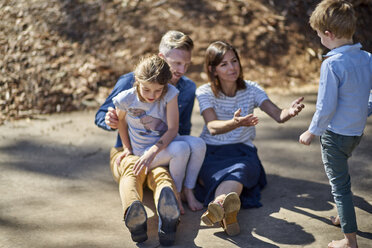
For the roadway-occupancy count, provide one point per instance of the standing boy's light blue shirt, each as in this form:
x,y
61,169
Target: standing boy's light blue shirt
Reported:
x,y
344,92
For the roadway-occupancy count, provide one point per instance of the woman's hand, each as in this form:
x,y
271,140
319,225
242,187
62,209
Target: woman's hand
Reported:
x,y
123,154
248,120
296,107
144,162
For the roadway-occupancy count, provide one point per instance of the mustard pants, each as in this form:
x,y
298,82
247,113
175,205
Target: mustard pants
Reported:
x,y
131,186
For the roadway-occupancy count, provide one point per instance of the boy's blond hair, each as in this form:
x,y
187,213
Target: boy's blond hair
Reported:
x,y
175,40
335,16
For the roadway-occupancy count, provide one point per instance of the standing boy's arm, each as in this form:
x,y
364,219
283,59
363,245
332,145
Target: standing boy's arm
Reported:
x,y
325,106
327,100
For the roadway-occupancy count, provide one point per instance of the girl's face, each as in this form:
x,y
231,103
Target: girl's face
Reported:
x,y
228,70
150,91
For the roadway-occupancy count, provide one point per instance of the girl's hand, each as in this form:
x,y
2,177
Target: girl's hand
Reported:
x,y
123,154
248,120
306,138
144,162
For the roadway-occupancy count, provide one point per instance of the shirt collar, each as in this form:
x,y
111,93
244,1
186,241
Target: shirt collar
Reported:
x,y
343,49
181,82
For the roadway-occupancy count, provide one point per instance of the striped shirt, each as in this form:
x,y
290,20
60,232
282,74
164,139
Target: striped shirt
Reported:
x,y
225,106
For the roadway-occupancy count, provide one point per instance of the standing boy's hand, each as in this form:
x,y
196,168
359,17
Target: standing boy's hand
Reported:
x,y
306,138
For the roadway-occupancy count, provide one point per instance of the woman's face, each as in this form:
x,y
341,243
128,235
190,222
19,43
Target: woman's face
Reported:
x,y
150,91
228,70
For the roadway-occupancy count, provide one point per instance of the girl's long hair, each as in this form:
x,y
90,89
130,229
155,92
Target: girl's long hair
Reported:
x,y
152,69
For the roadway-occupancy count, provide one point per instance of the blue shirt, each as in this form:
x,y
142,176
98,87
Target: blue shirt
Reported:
x,y
344,90
186,98
370,105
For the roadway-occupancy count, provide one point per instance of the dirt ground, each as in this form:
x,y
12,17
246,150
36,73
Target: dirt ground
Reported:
x,y
57,190
63,55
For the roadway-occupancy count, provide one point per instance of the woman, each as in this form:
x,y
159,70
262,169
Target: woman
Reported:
x,y
232,174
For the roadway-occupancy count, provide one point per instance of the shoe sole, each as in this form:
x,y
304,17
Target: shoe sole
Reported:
x,y
136,221
231,206
214,214
169,215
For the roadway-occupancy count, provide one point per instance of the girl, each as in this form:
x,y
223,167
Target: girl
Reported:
x,y
148,126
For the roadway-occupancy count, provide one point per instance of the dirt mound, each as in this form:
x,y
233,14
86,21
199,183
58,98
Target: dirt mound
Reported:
x,y
65,55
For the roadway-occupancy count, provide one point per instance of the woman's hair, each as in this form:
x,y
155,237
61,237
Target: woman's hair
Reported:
x,y
335,16
175,40
152,69
213,57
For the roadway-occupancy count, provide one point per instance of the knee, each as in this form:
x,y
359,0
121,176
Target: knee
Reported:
x,y
126,165
180,148
198,145
341,187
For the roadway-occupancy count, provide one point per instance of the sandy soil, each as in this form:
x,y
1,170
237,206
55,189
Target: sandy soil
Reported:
x,y
57,191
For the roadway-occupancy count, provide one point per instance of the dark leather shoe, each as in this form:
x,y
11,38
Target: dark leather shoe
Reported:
x,y
136,221
169,215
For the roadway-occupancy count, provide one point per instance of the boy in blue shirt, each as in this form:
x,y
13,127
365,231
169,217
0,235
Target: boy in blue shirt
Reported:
x,y
342,106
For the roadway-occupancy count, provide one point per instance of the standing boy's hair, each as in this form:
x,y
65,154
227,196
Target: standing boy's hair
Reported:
x,y
175,40
153,69
335,16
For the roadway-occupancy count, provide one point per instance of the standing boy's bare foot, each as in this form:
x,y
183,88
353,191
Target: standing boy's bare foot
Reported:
x,y
179,201
193,204
350,241
335,220
343,243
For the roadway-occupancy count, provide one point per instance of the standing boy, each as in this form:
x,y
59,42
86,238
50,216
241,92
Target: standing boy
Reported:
x,y
342,105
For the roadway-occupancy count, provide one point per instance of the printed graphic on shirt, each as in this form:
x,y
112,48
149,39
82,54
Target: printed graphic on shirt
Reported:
x,y
150,123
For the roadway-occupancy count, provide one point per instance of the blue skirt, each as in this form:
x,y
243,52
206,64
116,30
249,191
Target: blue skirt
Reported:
x,y
220,164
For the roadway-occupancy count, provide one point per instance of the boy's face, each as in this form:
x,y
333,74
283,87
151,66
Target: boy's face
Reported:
x,y
178,61
325,39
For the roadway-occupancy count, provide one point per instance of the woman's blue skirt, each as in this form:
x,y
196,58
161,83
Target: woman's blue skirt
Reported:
x,y
237,162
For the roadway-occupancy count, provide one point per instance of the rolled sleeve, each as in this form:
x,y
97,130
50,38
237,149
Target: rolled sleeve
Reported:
x,y
125,82
327,100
